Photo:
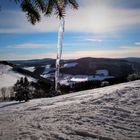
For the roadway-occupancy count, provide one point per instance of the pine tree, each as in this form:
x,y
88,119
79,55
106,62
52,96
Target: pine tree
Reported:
x,y
26,89
21,89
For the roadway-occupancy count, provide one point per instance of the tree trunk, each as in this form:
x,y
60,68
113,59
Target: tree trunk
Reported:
x,y
59,51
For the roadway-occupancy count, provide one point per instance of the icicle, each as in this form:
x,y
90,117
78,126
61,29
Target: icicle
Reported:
x,y
59,51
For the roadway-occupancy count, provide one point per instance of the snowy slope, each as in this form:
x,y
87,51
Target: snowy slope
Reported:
x,y
8,77
31,69
109,113
69,65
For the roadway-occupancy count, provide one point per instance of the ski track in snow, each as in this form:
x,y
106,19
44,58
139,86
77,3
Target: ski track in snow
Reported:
x,y
109,113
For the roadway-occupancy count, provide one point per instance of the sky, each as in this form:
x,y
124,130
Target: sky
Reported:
x,y
99,28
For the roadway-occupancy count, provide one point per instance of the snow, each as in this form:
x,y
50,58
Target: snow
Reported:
x,y
31,69
46,73
47,69
8,77
49,76
109,113
83,78
68,79
99,77
79,78
102,72
69,65
65,82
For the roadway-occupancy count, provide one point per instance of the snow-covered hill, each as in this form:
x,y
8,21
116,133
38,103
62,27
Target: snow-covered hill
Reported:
x,y
8,78
109,113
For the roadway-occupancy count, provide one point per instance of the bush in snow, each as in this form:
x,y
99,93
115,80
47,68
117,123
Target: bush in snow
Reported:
x,y
104,83
134,76
21,89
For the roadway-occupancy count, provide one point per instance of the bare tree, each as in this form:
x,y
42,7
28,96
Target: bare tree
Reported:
x,y
3,93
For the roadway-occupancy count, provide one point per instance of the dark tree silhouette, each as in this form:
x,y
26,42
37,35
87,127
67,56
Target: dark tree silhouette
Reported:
x,y
22,90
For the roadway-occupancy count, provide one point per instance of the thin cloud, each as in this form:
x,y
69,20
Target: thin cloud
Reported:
x,y
29,46
42,45
93,40
132,47
128,51
137,43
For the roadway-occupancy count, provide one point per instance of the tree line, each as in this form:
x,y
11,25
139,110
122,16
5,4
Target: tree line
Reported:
x,y
23,90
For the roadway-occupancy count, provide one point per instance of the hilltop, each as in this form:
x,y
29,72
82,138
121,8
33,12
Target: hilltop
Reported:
x,y
119,68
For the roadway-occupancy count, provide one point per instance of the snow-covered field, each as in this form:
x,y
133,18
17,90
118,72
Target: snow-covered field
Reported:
x,y
69,65
83,78
68,79
31,69
109,113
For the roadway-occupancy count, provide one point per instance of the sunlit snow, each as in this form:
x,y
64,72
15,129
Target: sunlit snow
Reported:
x,y
69,65
30,68
8,77
109,113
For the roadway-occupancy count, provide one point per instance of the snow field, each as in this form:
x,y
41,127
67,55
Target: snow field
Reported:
x,y
109,113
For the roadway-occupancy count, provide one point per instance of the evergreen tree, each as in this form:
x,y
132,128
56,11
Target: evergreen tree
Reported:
x,y
22,90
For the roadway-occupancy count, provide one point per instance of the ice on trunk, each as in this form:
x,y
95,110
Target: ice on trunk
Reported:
x,y
59,51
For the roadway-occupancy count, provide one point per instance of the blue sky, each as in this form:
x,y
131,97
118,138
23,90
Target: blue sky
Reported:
x,y
100,28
